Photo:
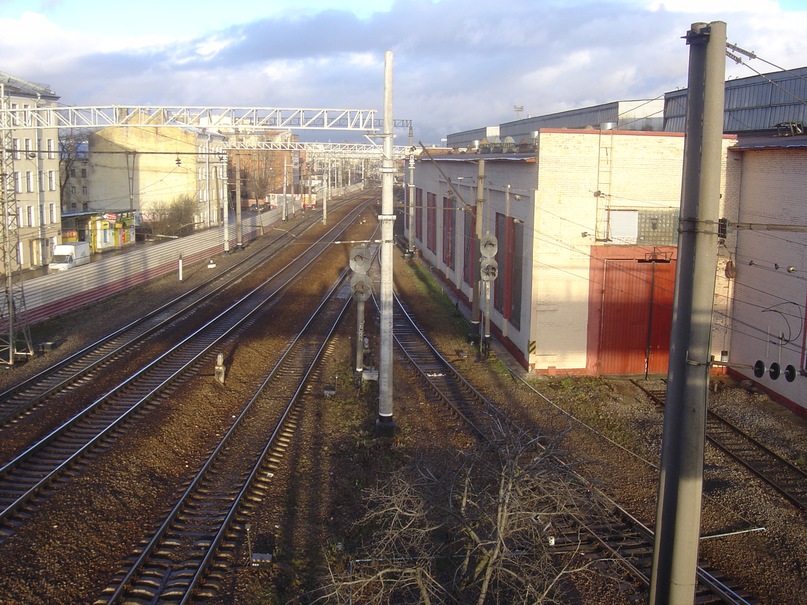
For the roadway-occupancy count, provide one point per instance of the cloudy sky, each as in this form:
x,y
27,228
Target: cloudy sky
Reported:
x,y
458,64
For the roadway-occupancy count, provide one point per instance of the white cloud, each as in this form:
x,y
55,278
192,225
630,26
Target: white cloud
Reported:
x,y
458,64
714,6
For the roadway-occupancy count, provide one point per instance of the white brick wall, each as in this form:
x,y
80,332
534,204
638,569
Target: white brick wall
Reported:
x,y
559,206
768,313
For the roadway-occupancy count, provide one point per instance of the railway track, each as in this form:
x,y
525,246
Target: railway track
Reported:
x,y
787,479
612,534
183,558
81,366
25,478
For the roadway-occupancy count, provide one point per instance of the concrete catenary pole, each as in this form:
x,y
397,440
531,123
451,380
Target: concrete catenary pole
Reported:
x,y
285,211
411,195
327,196
385,422
239,225
678,512
220,171
475,257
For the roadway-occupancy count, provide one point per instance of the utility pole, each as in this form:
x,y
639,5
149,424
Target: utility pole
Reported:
x,y
675,556
222,195
411,195
475,262
385,422
239,242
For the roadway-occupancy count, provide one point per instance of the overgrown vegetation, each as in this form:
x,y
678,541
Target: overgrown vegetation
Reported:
x,y
171,219
468,527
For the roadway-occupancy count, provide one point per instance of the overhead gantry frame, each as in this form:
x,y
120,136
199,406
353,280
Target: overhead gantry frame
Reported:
x,y
15,339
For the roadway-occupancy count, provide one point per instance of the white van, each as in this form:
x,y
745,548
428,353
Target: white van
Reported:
x,y
69,255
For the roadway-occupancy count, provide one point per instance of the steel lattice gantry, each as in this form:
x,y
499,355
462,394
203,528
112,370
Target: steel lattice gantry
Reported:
x,y
15,336
201,117
15,339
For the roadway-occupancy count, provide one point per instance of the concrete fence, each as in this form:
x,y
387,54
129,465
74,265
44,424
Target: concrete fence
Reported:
x,y
51,295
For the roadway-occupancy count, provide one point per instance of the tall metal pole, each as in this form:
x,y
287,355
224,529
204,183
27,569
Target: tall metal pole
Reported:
x,y
207,183
325,198
675,556
221,193
385,422
475,266
239,225
285,198
411,196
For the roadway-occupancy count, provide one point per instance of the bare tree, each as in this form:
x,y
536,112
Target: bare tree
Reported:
x,y
475,531
171,219
73,151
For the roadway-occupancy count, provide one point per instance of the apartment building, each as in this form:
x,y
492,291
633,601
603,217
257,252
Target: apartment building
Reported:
x,y
31,158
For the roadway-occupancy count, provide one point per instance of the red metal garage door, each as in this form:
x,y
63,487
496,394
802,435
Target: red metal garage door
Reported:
x,y
636,317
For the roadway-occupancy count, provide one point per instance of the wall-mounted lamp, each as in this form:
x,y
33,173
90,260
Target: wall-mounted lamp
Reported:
x,y
518,221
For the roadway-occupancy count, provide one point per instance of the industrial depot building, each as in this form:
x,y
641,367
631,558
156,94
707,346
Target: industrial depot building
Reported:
x,y
584,207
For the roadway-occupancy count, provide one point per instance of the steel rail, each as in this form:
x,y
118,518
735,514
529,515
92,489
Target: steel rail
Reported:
x,y
25,476
27,394
213,517
783,476
630,544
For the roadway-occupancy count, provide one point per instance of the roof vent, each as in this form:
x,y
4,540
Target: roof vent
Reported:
x,y
789,129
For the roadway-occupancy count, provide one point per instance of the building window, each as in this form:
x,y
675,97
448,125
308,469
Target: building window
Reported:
x,y
419,215
431,221
516,263
29,181
449,229
52,214
42,180
499,284
15,146
72,173
469,260
84,192
30,214
17,181
51,149
624,227
52,180
27,146
84,173
72,190
508,284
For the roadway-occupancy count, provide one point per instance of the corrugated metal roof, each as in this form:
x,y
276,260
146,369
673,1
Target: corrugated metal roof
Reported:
x,y
18,86
755,103
771,142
